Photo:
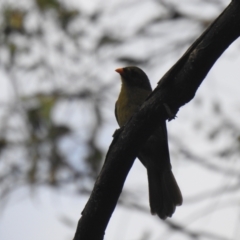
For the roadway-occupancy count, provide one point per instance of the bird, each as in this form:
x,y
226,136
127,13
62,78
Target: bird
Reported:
x,y
164,192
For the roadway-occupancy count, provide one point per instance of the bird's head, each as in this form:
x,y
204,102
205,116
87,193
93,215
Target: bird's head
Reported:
x,y
134,77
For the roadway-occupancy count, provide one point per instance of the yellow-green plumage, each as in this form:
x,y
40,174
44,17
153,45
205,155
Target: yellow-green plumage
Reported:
x,y
128,102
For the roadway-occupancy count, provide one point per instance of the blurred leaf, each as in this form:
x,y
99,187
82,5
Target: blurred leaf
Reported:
x,y
55,132
14,20
3,144
56,162
40,116
94,157
32,172
34,117
107,40
67,221
48,4
216,107
132,61
214,133
12,49
96,15
146,235
46,105
66,16
225,153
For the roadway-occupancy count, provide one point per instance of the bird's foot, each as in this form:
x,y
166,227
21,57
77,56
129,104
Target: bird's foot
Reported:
x,y
117,132
171,114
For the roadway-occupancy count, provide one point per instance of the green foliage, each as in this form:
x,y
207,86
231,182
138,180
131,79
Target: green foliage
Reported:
x,y
13,20
65,16
48,4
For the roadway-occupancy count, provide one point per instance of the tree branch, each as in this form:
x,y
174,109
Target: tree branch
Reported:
x,y
177,87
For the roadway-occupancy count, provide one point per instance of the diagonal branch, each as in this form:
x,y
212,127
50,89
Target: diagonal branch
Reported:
x,y
177,87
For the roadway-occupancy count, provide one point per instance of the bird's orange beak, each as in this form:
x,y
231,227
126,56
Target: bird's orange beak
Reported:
x,y
119,70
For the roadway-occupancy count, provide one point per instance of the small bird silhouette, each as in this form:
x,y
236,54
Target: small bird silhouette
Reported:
x,y
164,193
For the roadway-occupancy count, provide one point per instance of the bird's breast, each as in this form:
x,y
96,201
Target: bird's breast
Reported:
x,y
128,102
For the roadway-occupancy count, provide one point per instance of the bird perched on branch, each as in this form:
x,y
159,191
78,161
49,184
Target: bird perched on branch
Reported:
x,y
164,193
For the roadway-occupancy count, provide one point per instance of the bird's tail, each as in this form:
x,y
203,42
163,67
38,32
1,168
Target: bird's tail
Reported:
x,y
164,193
